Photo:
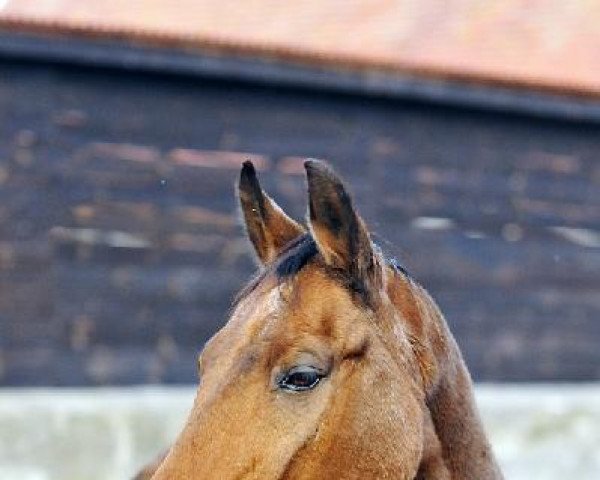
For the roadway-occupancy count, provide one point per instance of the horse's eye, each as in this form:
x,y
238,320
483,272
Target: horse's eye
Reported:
x,y
300,378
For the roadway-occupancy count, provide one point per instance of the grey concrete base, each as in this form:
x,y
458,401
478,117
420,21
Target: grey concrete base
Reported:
x,y
539,432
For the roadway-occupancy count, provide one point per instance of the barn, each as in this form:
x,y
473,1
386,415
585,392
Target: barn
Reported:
x,y
120,143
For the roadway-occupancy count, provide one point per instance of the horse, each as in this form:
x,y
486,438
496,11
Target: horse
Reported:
x,y
335,362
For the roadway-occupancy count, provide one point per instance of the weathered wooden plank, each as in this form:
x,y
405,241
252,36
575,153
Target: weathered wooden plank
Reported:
x,y
120,251
100,366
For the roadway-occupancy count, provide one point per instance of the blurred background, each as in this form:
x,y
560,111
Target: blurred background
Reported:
x,y
469,132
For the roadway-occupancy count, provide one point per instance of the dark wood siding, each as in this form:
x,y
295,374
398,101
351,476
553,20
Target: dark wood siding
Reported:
x,y
120,248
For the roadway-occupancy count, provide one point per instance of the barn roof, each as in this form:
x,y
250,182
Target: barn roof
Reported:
x,y
550,45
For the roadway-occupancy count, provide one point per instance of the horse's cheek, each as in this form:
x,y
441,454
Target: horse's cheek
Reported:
x,y
372,428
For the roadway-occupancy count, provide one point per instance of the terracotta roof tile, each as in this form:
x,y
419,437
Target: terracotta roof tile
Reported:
x,y
550,44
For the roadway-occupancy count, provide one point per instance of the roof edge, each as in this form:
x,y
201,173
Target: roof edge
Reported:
x,y
217,63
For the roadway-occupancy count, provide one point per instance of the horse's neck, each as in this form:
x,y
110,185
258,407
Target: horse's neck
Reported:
x,y
465,448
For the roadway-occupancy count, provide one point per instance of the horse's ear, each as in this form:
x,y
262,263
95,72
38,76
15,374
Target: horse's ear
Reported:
x,y
268,227
341,235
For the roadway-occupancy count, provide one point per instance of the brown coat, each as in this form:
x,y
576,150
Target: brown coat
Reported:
x,y
333,365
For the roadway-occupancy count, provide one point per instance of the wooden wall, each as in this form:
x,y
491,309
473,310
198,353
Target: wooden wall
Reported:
x,y
120,247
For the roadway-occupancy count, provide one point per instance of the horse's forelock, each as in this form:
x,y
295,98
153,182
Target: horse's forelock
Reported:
x,y
297,255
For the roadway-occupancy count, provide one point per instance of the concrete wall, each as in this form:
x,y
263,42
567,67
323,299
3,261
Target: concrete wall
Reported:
x,y
542,432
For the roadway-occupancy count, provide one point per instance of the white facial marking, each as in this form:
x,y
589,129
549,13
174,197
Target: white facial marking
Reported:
x,y
272,301
266,309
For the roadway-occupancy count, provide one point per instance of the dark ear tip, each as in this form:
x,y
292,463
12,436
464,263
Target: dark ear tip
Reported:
x,y
248,186
319,171
310,163
248,174
313,165
248,169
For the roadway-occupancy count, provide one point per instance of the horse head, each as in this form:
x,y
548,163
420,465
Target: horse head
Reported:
x,y
334,363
